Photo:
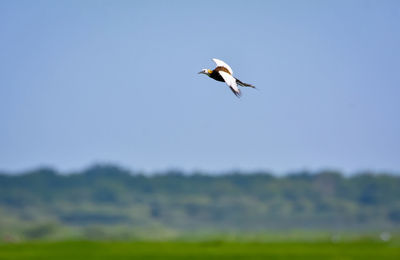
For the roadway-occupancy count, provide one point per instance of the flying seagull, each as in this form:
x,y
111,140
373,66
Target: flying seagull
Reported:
x,y
224,73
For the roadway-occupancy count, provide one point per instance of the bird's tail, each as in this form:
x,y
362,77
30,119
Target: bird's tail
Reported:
x,y
244,84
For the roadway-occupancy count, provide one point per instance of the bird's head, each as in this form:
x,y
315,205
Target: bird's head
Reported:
x,y
205,71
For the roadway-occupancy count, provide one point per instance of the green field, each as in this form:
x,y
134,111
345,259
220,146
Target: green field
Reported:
x,y
200,250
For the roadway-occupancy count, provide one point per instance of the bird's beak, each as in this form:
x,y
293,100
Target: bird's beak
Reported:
x,y
201,72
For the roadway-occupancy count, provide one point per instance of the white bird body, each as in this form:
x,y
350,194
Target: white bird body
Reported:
x,y
220,63
230,81
223,72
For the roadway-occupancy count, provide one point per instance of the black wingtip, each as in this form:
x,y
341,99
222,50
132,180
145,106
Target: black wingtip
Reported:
x,y
237,93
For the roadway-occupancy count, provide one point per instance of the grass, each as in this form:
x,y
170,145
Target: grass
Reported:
x,y
86,250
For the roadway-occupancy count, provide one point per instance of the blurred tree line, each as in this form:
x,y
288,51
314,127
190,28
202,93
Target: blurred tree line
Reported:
x,y
109,196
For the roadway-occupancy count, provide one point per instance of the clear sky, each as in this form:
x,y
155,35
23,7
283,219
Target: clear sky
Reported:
x,y
83,82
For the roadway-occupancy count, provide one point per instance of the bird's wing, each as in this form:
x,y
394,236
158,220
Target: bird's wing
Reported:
x,y
231,82
223,64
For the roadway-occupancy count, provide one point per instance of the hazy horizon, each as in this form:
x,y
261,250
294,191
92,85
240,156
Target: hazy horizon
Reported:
x,y
191,171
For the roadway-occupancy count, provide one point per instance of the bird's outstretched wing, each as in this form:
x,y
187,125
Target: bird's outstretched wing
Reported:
x,y
231,82
223,64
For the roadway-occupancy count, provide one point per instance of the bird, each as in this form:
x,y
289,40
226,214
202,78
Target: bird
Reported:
x,y
223,72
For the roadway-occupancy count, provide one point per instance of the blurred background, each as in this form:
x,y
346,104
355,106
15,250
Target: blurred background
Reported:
x,y
108,132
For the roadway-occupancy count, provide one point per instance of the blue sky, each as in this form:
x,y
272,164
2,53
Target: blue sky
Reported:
x,y
83,82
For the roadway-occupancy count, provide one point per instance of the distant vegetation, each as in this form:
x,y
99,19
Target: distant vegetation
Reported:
x,y
107,201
